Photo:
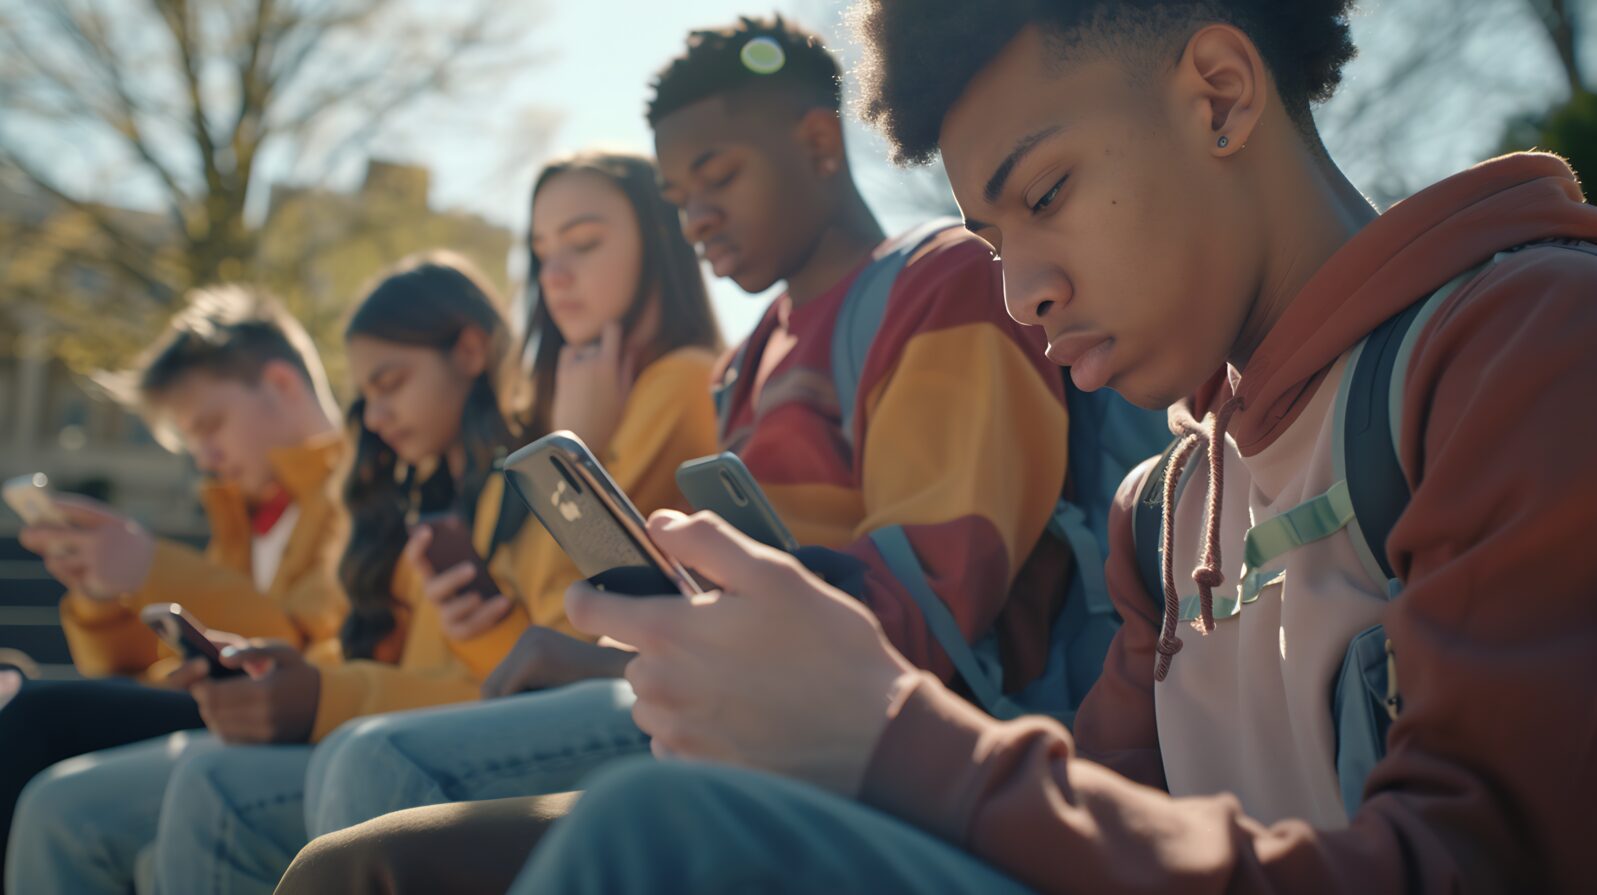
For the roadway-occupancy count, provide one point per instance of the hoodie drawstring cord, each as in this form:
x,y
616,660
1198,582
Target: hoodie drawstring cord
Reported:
x,y
1208,575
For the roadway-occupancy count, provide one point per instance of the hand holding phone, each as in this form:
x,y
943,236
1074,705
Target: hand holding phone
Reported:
x,y
457,580
185,634
591,519
723,485
30,497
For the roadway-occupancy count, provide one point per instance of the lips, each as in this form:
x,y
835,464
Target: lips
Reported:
x,y
1087,355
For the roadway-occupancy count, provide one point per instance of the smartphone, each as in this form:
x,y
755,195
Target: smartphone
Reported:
x,y
724,486
30,496
591,519
451,546
184,633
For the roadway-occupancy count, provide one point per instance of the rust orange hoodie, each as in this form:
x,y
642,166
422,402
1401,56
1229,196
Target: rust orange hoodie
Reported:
x,y
1220,777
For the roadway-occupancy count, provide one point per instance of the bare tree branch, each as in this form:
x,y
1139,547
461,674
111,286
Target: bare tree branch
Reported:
x,y
177,101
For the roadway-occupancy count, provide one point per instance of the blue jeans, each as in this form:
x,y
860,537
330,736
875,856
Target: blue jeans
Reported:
x,y
234,819
526,745
681,827
82,825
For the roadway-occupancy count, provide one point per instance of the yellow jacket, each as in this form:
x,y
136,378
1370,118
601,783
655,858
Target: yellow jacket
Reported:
x,y
304,604
668,419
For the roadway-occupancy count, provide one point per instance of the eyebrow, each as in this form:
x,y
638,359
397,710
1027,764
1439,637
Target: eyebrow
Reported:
x,y
381,371
995,184
579,220
702,159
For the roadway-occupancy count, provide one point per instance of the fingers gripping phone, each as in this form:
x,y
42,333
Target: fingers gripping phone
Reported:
x,y
30,496
723,485
451,546
184,633
591,519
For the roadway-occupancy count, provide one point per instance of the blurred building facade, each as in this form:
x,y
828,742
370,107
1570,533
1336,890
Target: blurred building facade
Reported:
x,y
316,249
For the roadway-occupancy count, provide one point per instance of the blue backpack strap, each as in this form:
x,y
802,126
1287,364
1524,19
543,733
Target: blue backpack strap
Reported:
x,y
1147,525
1069,524
893,544
858,321
864,308
1108,437
721,394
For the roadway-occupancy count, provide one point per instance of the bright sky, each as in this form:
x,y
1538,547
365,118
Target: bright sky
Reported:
x,y
602,57
604,53
598,57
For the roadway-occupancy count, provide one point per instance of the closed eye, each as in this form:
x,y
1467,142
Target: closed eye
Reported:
x,y
1048,198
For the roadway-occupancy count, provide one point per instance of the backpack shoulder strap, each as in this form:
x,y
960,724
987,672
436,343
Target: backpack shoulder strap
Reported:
x,y
893,544
864,308
1147,525
1368,423
721,394
513,512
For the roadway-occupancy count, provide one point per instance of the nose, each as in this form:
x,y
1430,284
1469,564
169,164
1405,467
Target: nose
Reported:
x,y
1033,292
208,459
699,221
555,275
373,415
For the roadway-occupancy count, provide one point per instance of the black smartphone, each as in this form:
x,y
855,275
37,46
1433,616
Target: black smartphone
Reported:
x,y
451,546
184,633
723,485
591,519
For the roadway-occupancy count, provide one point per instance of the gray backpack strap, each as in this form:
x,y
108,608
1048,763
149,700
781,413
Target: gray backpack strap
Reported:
x,y
864,308
893,544
1368,416
1365,454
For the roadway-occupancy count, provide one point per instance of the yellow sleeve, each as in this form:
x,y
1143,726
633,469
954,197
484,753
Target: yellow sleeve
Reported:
x,y
106,637
428,672
222,598
969,458
668,419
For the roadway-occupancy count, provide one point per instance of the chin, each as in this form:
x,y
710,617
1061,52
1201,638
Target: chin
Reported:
x,y
751,282
1148,396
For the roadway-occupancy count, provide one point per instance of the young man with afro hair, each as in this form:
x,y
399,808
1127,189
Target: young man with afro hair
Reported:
x,y
1150,175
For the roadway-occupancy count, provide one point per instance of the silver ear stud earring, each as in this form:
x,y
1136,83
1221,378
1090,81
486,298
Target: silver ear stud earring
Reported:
x,y
1224,141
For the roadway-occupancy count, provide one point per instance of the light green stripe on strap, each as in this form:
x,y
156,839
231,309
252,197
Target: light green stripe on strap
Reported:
x,y
1227,607
1303,524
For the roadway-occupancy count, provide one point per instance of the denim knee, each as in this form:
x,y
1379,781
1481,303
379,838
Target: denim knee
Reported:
x,y
347,783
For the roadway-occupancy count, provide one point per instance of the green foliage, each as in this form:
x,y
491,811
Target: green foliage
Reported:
x,y
1569,129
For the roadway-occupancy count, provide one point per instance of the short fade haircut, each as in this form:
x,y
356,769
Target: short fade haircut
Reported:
x,y
713,65
229,332
921,54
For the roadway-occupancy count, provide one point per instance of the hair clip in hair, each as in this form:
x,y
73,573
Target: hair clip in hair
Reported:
x,y
763,56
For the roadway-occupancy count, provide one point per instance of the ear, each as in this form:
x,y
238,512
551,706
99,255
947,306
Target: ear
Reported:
x,y
820,137
470,354
1228,83
280,379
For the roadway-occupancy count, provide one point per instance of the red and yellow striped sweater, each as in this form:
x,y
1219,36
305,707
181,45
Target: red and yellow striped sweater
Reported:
x,y
961,440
